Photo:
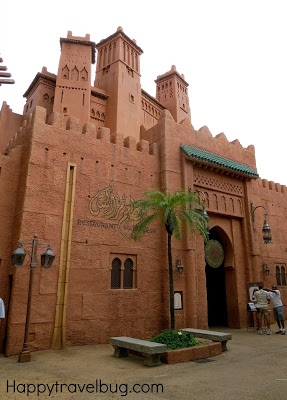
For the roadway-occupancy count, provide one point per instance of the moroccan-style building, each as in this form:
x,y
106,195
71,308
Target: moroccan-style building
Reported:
x,y
71,168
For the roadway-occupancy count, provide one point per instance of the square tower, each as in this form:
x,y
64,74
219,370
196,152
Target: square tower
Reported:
x,y
171,91
118,74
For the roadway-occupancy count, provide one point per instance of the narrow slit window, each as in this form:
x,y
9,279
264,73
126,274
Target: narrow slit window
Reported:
x,y
116,274
283,276
278,276
128,274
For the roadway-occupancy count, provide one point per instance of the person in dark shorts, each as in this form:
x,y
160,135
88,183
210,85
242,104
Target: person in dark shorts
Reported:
x,y
275,296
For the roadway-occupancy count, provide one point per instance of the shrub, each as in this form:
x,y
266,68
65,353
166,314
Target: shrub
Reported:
x,y
175,340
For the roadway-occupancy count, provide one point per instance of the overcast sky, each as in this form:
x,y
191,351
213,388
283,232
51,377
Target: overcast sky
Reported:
x,y
232,53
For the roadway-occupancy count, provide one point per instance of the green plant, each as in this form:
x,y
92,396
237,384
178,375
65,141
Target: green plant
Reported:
x,y
172,210
175,340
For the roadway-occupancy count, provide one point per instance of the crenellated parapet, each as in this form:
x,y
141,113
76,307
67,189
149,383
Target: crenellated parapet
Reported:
x,y
10,123
270,185
185,134
56,130
20,136
220,145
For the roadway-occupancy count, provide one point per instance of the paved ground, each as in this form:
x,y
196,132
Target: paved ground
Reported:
x,y
254,367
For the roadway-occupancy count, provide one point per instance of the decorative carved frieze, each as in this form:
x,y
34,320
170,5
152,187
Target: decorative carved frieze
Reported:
x,y
218,184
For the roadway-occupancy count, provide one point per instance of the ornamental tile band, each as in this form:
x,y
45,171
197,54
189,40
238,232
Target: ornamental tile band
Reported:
x,y
219,161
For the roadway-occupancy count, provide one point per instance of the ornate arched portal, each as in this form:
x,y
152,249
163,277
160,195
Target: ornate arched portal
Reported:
x,y
219,277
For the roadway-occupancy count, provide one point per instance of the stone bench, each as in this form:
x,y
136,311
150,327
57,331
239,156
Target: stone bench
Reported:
x,y
151,351
210,335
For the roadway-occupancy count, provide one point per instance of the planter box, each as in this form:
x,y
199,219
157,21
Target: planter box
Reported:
x,y
192,353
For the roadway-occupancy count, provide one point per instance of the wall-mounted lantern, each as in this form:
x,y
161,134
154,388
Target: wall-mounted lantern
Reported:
x,y
266,269
266,231
180,266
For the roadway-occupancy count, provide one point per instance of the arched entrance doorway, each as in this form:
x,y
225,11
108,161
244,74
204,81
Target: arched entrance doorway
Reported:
x,y
216,279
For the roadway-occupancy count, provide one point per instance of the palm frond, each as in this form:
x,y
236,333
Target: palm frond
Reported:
x,y
195,221
177,231
172,210
140,228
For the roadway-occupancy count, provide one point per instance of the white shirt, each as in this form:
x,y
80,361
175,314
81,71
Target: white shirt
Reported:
x,y
276,298
2,309
261,297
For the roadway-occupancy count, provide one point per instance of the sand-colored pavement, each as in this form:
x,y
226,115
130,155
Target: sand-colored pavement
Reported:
x,y
254,367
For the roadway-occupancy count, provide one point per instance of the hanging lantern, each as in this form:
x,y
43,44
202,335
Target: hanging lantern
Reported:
x,y
47,258
18,257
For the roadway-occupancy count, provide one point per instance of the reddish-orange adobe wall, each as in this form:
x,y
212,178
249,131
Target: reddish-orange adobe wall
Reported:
x,y
72,177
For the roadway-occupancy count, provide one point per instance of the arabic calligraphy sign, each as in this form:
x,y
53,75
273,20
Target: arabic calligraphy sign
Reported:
x,y
120,211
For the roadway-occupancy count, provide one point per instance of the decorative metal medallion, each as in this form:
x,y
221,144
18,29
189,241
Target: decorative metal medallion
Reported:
x,y
214,253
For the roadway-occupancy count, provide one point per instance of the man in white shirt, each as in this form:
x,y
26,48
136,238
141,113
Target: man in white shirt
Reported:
x,y
261,303
275,296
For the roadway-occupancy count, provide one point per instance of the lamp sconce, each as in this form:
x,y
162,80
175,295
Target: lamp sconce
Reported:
x,y
266,269
179,266
267,237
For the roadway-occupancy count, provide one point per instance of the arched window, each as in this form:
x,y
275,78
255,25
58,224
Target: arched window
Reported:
x,y
231,204
116,274
114,51
84,75
224,203
128,274
206,199
75,74
283,276
65,72
278,276
215,202
123,271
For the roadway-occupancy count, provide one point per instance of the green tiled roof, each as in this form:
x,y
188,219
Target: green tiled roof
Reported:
x,y
219,161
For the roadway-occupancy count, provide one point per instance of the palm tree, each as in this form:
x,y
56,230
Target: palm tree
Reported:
x,y
172,211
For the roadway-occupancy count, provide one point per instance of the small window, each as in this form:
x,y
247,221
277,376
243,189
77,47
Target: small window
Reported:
x,y
123,271
116,274
128,274
283,276
65,72
278,276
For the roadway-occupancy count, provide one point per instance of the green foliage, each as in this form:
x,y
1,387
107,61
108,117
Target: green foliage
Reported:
x,y
172,211
175,340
